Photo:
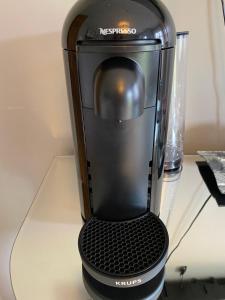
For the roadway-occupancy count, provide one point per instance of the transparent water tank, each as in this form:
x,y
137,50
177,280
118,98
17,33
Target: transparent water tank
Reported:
x,y
175,138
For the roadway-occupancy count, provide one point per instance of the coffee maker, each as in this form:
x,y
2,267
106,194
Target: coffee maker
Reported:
x,y
119,58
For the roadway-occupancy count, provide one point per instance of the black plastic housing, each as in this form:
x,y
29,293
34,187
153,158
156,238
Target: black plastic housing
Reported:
x,y
119,59
119,130
119,84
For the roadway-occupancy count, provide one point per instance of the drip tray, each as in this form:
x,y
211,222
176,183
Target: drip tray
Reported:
x,y
124,259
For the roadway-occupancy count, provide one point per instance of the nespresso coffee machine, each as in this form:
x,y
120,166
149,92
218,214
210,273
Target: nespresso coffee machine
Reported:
x,y
119,59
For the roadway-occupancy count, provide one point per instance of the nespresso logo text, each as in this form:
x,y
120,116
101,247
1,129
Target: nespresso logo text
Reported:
x,y
107,31
128,283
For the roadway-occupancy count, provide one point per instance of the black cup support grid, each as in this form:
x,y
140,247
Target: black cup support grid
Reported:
x,y
124,249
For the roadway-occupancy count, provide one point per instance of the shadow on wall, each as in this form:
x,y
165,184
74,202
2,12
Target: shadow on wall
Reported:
x,y
205,103
34,127
204,137
210,136
217,48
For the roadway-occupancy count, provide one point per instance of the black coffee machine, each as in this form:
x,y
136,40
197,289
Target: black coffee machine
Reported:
x,y
119,59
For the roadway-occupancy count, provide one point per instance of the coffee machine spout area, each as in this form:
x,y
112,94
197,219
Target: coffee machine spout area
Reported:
x,y
119,64
119,90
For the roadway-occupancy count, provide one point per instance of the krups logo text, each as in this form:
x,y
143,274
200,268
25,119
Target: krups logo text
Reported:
x,y
107,31
128,283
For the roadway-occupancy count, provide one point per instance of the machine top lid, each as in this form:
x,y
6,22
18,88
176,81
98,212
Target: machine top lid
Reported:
x,y
116,20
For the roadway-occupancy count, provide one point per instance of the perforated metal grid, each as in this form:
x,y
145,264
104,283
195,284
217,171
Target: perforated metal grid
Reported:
x,y
123,248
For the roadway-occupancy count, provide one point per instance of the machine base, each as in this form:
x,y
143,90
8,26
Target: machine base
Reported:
x,y
148,291
124,260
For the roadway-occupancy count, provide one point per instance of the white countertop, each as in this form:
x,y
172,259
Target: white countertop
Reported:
x,y
45,262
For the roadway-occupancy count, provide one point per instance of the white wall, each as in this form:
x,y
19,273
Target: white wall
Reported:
x,y
34,117
205,118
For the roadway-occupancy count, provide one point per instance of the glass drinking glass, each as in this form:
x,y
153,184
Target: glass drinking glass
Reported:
x,y
176,127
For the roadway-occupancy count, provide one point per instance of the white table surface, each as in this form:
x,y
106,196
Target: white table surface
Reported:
x,y
45,262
